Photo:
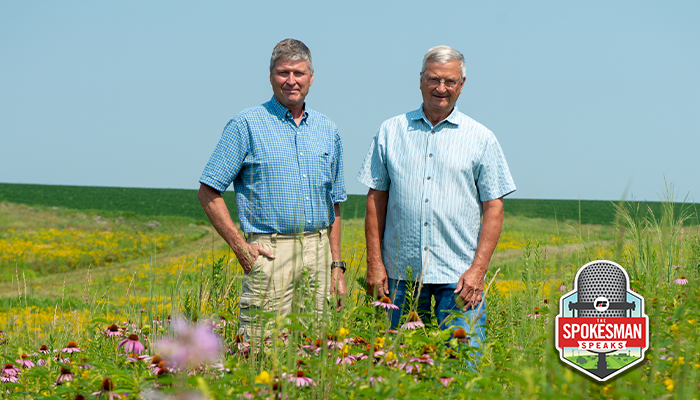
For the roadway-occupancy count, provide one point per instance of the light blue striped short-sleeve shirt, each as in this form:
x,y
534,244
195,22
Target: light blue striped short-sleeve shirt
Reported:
x,y
437,177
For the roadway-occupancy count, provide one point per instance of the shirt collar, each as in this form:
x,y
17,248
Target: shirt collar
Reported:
x,y
419,114
284,112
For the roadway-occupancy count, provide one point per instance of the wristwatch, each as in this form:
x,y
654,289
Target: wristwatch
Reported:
x,y
339,264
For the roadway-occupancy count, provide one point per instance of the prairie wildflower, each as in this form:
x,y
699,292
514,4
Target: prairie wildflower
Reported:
x,y
562,288
263,378
65,376
681,281
155,361
668,382
193,345
44,349
132,345
446,380
24,361
413,321
71,347
461,335
10,370
113,331
106,390
385,302
300,379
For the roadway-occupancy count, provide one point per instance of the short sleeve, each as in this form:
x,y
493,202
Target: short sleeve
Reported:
x,y
338,194
493,176
373,172
228,156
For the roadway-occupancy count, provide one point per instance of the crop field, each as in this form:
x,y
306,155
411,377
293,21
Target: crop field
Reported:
x,y
124,302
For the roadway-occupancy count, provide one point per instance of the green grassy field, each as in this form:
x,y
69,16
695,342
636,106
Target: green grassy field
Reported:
x,y
66,273
182,202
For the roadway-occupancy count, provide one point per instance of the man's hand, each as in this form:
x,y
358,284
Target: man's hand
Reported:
x,y
338,287
377,280
470,288
247,254
375,219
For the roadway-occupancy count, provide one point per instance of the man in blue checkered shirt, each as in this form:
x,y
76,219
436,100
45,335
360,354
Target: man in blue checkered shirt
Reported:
x,y
286,165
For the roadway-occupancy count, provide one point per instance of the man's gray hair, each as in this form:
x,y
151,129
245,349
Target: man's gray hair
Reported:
x,y
293,50
444,54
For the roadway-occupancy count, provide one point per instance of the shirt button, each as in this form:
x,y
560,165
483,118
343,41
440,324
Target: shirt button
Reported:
x,y
425,248
432,132
425,224
300,153
430,155
428,178
309,221
307,198
426,200
304,176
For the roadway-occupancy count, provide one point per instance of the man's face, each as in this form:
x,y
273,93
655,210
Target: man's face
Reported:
x,y
291,81
438,97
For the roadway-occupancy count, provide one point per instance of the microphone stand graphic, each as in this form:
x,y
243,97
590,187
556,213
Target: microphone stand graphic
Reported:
x,y
602,286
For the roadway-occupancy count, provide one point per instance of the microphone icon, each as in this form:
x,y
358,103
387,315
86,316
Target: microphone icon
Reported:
x,y
601,316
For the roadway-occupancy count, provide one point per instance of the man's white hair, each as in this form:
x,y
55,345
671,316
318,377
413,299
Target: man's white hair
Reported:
x,y
444,54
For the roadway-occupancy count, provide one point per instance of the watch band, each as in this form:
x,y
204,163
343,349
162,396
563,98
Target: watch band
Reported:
x,y
339,264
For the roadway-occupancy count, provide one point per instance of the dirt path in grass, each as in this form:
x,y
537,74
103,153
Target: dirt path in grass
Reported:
x,y
52,285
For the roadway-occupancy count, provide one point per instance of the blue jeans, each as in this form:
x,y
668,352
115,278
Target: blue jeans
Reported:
x,y
445,306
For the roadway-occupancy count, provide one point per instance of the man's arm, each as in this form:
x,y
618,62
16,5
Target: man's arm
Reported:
x,y
471,284
217,212
375,219
337,276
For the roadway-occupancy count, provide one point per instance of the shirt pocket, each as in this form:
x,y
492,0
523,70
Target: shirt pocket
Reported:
x,y
322,170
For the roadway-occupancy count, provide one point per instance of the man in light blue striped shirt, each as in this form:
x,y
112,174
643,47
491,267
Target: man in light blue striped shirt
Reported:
x,y
433,173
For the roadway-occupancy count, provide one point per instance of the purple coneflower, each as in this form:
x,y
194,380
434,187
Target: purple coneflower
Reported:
x,y
24,361
193,345
44,349
681,281
241,345
460,335
106,390
446,380
155,361
300,380
71,347
414,363
386,303
132,345
5,378
113,331
65,376
412,321
562,288
10,370
134,358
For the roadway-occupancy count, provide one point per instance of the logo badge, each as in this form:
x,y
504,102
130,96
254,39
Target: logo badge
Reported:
x,y
601,329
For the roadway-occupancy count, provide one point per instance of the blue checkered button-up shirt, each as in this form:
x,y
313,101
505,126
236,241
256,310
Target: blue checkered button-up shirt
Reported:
x,y
437,177
286,177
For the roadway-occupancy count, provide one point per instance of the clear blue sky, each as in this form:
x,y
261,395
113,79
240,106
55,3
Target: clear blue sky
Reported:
x,y
584,97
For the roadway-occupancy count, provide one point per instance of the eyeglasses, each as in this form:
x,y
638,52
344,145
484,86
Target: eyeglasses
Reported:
x,y
436,81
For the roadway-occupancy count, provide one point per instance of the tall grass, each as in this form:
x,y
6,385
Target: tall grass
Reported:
x,y
356,357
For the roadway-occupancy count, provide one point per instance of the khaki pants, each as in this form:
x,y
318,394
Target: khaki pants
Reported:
x,y
298,279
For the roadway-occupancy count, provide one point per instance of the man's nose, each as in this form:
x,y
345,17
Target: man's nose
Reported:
x,y
291,80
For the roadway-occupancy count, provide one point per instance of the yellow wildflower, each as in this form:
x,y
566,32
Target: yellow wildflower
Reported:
x,y
342,332
379,342
668,382
674,329
390,356
264,378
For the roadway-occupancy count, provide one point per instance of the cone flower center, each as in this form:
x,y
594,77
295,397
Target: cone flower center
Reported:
x,y
113,328
107,384
134,337
71,344
386,300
